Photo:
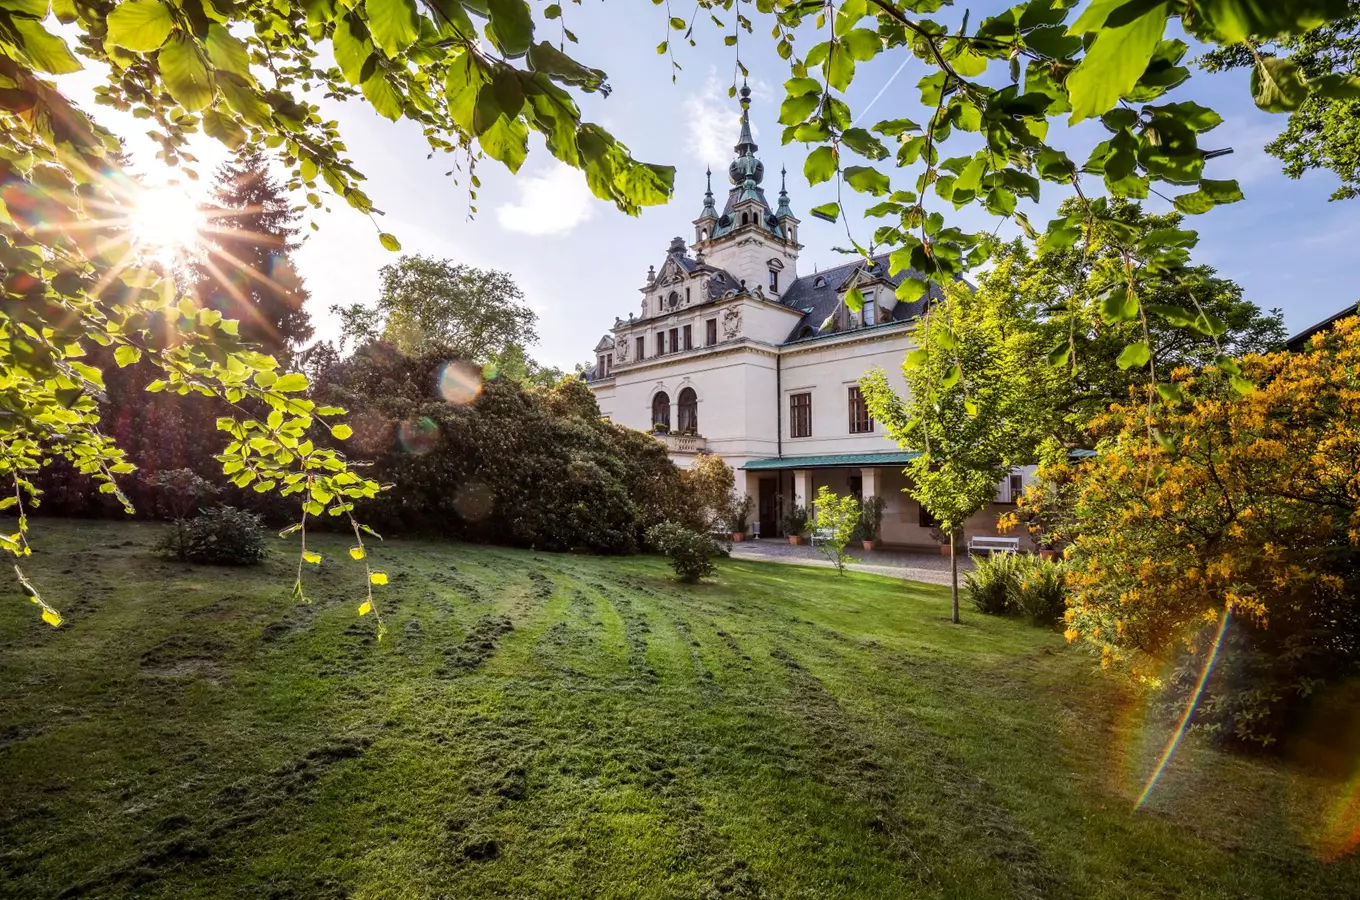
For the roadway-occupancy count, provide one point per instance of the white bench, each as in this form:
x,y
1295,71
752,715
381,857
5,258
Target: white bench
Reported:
x,y
993,544
821,534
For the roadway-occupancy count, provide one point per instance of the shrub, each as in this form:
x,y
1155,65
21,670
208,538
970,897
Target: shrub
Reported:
x,y
870,518
1040,592
222,536
690,553
795,521
992,583
739,512
838,517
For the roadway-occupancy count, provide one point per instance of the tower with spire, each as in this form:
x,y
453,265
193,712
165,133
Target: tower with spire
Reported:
x,y
756,244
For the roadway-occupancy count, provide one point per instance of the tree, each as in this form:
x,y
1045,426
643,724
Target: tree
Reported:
x,y
179,490
242,74
837,518
711,482
1323,132
428,304
973,408
245,270
1048,292
1248,508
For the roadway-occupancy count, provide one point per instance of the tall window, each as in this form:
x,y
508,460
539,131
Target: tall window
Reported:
x,y
923,516
686,293
1010,489
800,415
661,410
689,337
661,343
687,408
641,347
774,280
710,332
860,420
870,309
675,339
609,364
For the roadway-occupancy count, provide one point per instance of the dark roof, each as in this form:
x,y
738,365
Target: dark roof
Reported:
x,y
1300,341
820,294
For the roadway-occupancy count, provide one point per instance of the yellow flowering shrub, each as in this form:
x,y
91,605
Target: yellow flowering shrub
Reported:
x,y
1243,495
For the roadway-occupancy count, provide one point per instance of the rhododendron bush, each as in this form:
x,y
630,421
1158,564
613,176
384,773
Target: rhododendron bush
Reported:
x,y
1239,496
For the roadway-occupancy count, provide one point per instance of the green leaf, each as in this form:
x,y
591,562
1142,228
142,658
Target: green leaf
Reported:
x,y
1233,21
126,355
226,52
139,25
839,67
795,109
1113,64
1277,85
512,26
854,300
820,165
1134,356
864,143
185,72
379,92
341,431
915,359
1060,355
827,212
1170,393
867,180
951,377
352,48
356,553
1119,305
293,381
395,24
224,128
1337,86
46,51
390,242
1210,194
506,140
1242,385
971,408
863,45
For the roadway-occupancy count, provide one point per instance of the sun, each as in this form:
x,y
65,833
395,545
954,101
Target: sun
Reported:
x,y
166,220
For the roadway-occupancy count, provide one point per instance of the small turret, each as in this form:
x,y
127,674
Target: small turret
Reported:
x,y
784,214
703,226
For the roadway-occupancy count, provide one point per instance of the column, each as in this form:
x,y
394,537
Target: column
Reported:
x,y
802,487
869,482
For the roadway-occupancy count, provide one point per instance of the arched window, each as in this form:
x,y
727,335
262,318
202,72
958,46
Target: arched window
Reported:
x,y
688,409
819,281
806,331
661,410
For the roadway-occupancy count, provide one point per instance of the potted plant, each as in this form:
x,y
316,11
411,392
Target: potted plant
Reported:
x,y
795,523
942,538
738,513
661,428
870,521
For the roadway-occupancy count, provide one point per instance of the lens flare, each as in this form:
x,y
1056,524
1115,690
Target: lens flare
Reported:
x,y
490,372
166,220
1341,833
474,501
1190,705
459,382
418,436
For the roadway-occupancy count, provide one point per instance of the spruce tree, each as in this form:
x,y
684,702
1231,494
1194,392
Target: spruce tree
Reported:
x,y
245,268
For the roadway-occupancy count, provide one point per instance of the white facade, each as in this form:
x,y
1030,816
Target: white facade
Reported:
x,y
731,352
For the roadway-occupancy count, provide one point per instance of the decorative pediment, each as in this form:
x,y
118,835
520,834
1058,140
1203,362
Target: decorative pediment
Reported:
x,y
774,264
606,343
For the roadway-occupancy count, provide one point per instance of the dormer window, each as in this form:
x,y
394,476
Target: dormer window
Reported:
x,y
819,282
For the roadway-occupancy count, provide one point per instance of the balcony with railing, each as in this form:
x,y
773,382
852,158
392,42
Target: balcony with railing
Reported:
x,y
677,442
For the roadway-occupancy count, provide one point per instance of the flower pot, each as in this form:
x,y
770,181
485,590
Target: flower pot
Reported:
x,y
944,549
738,536
869,545
1046,553
795,539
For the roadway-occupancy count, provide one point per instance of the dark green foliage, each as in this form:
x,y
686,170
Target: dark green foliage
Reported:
x,y
690,553
221,536
1015,584
1324,131
795,521
992,582
525,467
254,233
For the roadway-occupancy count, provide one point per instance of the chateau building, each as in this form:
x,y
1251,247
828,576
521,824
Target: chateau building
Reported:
x,y
734,352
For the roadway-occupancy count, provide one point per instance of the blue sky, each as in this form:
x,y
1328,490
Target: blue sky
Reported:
x,y
580,262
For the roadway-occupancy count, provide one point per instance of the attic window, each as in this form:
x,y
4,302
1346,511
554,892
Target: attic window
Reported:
x,y
819,281
806,331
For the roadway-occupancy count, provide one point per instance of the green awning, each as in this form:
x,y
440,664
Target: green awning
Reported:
x,y
835,460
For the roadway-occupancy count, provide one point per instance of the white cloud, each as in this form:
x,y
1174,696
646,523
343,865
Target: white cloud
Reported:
x,y
711,123
552,202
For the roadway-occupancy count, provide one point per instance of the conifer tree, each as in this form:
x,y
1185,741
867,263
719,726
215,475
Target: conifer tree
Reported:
x,y
245,269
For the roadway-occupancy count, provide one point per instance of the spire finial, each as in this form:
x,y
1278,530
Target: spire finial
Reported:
x,y
783,179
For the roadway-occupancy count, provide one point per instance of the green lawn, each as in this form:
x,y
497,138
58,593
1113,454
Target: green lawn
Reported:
x,y
553,726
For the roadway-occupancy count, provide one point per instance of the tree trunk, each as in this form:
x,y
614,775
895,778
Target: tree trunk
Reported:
x,y
954,575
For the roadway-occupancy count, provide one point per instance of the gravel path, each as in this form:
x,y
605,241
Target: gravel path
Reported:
x,y
928,567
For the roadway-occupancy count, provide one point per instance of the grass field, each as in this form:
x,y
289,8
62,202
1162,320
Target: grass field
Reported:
x,y
554,726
